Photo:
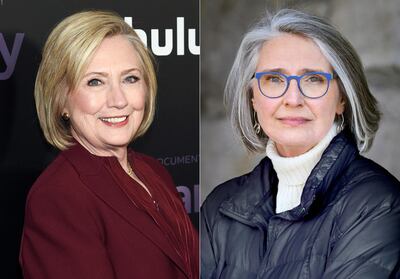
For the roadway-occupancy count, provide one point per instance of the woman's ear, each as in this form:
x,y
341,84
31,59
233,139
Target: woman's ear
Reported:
x,y
254,103
340,106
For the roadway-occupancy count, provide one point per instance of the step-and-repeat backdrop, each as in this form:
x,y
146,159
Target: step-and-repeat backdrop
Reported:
x,y
169,28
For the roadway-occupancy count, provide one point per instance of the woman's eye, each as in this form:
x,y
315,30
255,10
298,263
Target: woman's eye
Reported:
x,y
315,79
131,79
94,82
273,78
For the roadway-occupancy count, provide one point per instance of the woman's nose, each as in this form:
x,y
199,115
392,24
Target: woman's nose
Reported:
x,y
293,96
116,97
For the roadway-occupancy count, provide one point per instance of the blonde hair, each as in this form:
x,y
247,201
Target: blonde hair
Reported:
x,y
66,55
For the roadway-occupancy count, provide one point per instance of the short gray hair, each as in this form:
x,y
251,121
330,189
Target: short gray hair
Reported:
x,y
361,110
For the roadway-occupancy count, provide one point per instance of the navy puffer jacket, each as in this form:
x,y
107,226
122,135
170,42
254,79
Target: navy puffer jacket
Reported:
x,y
347,225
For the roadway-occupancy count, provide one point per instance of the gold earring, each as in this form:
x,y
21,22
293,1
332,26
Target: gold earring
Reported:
x,y
65,116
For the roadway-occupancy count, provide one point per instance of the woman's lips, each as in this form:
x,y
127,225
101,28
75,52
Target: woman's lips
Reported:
x,y
115,121
293,121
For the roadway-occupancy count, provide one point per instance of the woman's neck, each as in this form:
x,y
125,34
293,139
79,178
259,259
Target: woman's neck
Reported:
x,y
119,152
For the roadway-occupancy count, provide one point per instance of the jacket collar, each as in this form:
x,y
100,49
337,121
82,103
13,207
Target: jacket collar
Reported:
x,y
254,204
93,173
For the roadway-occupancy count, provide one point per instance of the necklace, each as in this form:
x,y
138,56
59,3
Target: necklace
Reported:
x,y
132,175
130,171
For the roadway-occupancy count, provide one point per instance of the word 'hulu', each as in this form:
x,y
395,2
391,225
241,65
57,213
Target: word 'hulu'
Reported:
x,y
9,54
167,48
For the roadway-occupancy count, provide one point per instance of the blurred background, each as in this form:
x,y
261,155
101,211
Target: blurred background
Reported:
x,y
372,26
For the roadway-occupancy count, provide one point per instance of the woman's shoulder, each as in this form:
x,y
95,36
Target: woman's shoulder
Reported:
x,y
58,171
364,175
59,179
224,191
369,191
253,183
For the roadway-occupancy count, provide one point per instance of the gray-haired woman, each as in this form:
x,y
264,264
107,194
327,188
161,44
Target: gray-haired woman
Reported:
x,y
313,207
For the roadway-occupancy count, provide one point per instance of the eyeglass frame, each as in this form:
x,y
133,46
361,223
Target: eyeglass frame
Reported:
x,y
329,77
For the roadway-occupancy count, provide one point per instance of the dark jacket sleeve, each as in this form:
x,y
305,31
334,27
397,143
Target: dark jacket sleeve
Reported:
x,y
61,238
368,233
210,217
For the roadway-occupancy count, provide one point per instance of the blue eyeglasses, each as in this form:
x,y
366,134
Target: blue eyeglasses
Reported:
x,y
311,85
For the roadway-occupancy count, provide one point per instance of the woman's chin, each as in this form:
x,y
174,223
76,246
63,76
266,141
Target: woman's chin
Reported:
x,y
117,141
295,145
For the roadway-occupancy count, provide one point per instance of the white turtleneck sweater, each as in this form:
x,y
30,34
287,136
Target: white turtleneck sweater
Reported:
x,y
293,171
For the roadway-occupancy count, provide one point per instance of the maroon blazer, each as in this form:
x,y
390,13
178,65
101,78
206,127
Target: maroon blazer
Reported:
x,y
80,224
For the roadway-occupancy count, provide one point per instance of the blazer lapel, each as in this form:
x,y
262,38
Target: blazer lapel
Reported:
x,y
96,177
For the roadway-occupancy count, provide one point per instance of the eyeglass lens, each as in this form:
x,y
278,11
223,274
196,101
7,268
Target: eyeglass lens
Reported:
x,y
311,85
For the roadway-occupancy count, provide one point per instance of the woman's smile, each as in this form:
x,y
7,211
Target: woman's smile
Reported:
x,y
115,121
293,121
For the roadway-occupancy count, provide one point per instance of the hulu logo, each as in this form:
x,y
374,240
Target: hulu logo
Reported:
x,y
182,37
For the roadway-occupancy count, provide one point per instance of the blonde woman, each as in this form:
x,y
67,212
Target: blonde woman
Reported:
x,y
101,210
